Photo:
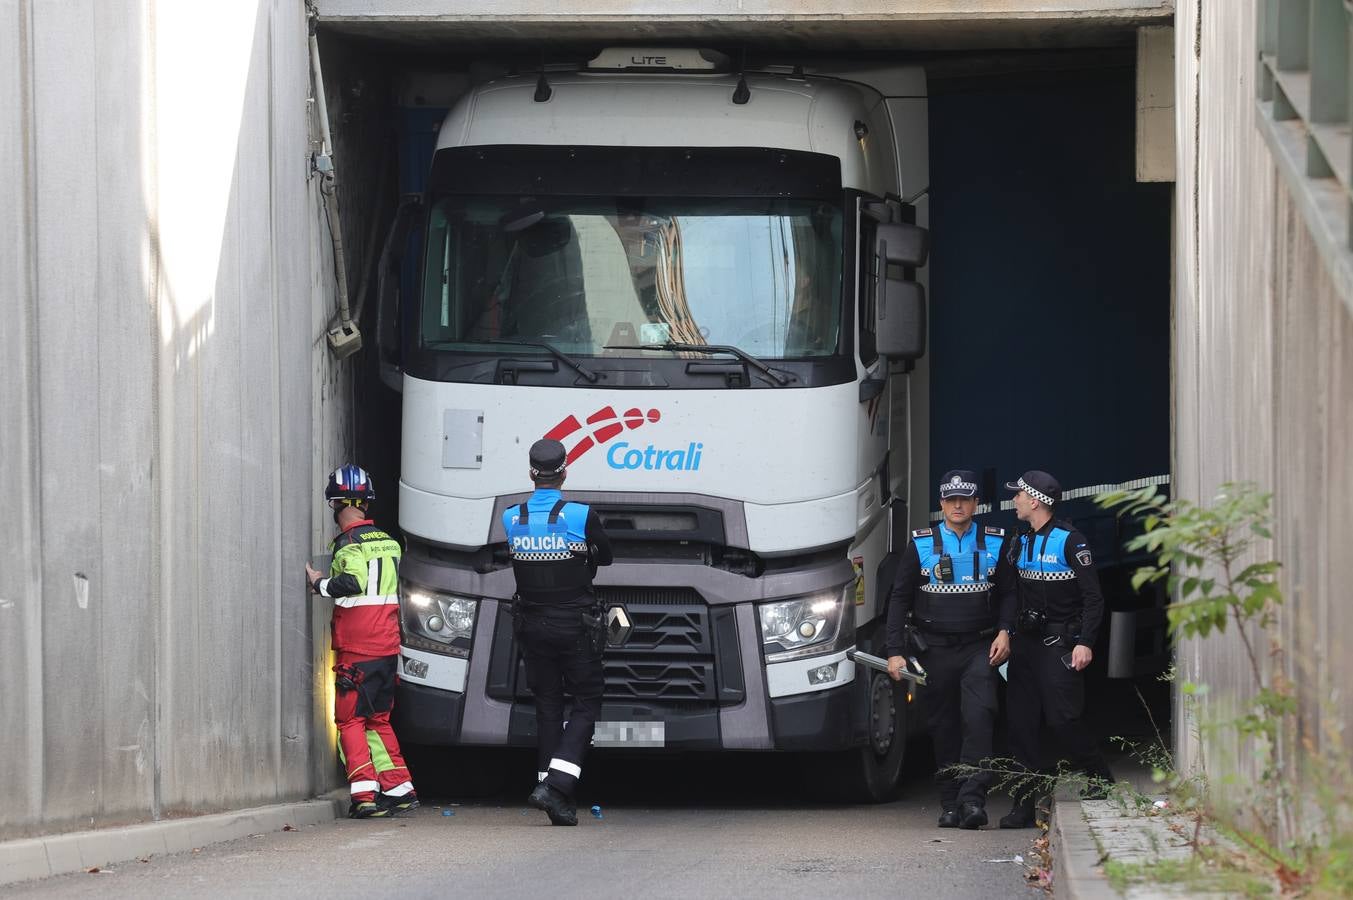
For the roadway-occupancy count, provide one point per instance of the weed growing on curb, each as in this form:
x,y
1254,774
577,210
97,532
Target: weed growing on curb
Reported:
x,y
1210,559
1247,836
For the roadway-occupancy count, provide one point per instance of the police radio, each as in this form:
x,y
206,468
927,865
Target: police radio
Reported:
x,y
945,569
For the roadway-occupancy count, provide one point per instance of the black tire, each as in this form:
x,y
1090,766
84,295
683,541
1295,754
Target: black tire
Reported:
x,y
872,773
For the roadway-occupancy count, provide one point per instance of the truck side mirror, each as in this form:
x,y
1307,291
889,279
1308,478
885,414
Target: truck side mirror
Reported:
x,y
903,244
900,327
388,316
900,330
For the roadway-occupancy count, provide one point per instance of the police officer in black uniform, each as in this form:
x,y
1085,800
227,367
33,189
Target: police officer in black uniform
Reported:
x,y
556,547
1060,611
956,584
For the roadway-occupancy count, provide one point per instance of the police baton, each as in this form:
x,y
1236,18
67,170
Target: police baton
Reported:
x,y
913,672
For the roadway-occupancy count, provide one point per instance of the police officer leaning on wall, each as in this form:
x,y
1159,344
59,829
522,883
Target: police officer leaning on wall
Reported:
x,y
556,547
956,584
1060,611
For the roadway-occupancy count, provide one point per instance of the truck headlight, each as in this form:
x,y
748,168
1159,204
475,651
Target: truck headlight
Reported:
x,y
436,622
806,626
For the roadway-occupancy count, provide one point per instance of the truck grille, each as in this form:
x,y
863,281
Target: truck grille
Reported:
x,y
681,654
669,657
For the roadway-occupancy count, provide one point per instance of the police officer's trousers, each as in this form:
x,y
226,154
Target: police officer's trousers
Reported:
x,y
559,660
960,705
1042,689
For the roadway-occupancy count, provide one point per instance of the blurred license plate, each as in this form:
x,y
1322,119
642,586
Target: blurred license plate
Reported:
x,y
630,734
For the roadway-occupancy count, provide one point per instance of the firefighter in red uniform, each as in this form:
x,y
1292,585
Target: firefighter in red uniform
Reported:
x,y
364,584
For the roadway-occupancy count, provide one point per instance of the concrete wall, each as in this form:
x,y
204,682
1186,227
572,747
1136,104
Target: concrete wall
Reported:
x,y
166,413
1263,371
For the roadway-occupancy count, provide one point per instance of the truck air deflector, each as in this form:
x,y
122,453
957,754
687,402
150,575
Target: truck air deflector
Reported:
x,y
636,171
675,516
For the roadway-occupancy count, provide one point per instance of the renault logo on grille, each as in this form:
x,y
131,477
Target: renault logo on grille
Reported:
x,y
618,626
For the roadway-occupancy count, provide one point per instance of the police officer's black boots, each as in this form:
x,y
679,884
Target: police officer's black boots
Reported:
x,y
1021,815
1099,780
972,815
554,804
949,818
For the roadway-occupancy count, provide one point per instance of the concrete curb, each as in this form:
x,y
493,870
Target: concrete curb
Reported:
x,y
76,851
1076,859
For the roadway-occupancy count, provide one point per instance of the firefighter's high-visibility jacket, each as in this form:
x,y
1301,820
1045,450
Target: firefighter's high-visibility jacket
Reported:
x,y
364,584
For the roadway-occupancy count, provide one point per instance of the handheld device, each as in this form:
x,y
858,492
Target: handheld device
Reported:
x,y
913,672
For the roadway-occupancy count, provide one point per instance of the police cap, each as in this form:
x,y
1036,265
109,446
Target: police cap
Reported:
x,y
1039,485
958,483
547,457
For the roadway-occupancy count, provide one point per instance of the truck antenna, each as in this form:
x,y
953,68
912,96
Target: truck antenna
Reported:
x,y
543,89
741,94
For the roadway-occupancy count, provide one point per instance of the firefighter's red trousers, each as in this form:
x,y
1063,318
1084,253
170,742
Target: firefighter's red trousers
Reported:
x,y
362,703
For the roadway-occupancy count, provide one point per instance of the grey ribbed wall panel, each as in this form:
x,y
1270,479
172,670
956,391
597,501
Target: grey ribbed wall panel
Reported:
x,y
167,411
1263,382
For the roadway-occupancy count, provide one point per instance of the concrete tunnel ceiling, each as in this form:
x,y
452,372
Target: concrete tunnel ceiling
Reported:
x,y
920,25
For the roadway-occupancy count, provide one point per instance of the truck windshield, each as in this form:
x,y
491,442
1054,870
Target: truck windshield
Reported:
x,y
763,275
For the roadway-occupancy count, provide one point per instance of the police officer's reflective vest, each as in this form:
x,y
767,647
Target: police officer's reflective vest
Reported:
x,y
1042,559
547,538
955,596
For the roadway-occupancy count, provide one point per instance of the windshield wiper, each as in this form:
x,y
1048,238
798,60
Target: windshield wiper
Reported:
x,y
677,347
558,354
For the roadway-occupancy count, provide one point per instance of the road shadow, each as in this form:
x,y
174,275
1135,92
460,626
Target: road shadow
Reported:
x,y
648,780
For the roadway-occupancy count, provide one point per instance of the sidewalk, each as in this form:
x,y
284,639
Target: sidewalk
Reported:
x,y
1088,836
77,851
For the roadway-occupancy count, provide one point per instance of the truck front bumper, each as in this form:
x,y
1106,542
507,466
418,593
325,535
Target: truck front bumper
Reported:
x,y
820,721
816,722
425,715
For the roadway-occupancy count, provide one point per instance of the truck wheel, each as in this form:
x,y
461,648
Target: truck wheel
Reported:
x,y
872,773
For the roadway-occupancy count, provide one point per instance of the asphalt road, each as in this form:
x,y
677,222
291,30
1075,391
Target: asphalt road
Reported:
x,y
690,827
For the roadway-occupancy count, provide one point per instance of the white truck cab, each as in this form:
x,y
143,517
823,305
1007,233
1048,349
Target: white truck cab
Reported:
x,y
704,283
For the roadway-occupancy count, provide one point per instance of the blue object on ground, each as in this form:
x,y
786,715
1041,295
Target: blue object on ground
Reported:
x,y
448,812
596,812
